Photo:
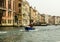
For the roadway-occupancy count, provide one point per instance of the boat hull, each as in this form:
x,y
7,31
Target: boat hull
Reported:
x,y
29,28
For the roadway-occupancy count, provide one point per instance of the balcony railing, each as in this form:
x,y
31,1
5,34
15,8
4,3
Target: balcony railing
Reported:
x,y
2,8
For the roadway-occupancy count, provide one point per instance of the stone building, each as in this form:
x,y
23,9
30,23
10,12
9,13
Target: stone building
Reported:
x,y
33,15
42,19
58,19
47,19
22,12
7,11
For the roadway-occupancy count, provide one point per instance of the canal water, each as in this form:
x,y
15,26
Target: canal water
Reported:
x,y
42,34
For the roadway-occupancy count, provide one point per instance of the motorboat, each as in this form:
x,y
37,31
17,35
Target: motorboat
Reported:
x,y
29,28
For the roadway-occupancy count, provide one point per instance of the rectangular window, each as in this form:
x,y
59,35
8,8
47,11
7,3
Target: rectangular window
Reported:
x,y
19,10
3,21
13,5
1,14
19,21
19,5
9,4
1,2
9,21
25,20
23,3
4,3
4,13
9,14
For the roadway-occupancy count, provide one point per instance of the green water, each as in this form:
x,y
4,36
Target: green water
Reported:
x,y
43,34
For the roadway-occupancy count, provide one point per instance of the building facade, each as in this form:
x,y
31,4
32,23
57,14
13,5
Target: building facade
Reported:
x,y
42,17
18,15
7,11
49,20
22,13
25,12
33,15
46,19
58,19
36,17
53,20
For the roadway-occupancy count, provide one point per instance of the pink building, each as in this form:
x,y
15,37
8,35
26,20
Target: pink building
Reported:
x,y
7,11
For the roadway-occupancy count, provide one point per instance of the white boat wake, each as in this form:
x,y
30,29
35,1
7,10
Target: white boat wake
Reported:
x,y
34,30
29,30
2,32
21,30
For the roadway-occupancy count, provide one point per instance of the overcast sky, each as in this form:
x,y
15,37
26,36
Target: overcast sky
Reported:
x,y
51,7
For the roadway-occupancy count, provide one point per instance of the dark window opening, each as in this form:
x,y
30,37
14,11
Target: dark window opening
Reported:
x,y
9,4
16,19
19,5
2,3
19,10
1,14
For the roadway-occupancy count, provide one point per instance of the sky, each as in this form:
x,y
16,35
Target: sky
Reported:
x,y
51,7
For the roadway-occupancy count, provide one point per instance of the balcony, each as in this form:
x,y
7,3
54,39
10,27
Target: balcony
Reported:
x,y
2,8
